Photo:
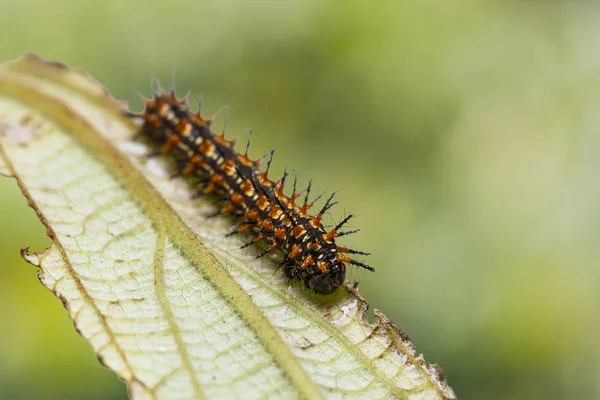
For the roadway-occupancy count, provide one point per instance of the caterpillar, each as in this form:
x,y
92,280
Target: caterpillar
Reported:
x,y
308,250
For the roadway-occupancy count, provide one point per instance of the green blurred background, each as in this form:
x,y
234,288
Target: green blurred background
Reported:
x,y
465,135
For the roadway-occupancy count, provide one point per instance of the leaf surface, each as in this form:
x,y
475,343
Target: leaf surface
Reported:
x,y
166,301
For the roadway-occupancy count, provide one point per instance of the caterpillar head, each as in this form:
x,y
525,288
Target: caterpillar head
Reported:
x,y
323,276
328,282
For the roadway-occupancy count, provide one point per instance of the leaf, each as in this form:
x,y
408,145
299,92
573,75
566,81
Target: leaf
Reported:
x,y
174,308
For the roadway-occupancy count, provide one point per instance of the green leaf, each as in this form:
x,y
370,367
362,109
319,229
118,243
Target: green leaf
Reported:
x,y
174,308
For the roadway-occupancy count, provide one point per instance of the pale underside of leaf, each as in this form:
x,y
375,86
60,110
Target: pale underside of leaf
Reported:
x,y
174,308
4,168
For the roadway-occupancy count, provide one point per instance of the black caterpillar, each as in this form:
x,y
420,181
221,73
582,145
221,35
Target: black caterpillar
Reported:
x,y
309,252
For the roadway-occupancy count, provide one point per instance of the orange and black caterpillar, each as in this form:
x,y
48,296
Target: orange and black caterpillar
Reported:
x,y
309,252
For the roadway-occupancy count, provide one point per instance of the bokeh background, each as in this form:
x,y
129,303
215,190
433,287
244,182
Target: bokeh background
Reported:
x,y
464,134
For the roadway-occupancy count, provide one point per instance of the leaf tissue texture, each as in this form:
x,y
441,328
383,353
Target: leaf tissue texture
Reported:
x,y
166,301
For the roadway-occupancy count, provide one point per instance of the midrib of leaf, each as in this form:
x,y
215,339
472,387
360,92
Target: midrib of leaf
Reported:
x,y
164,218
